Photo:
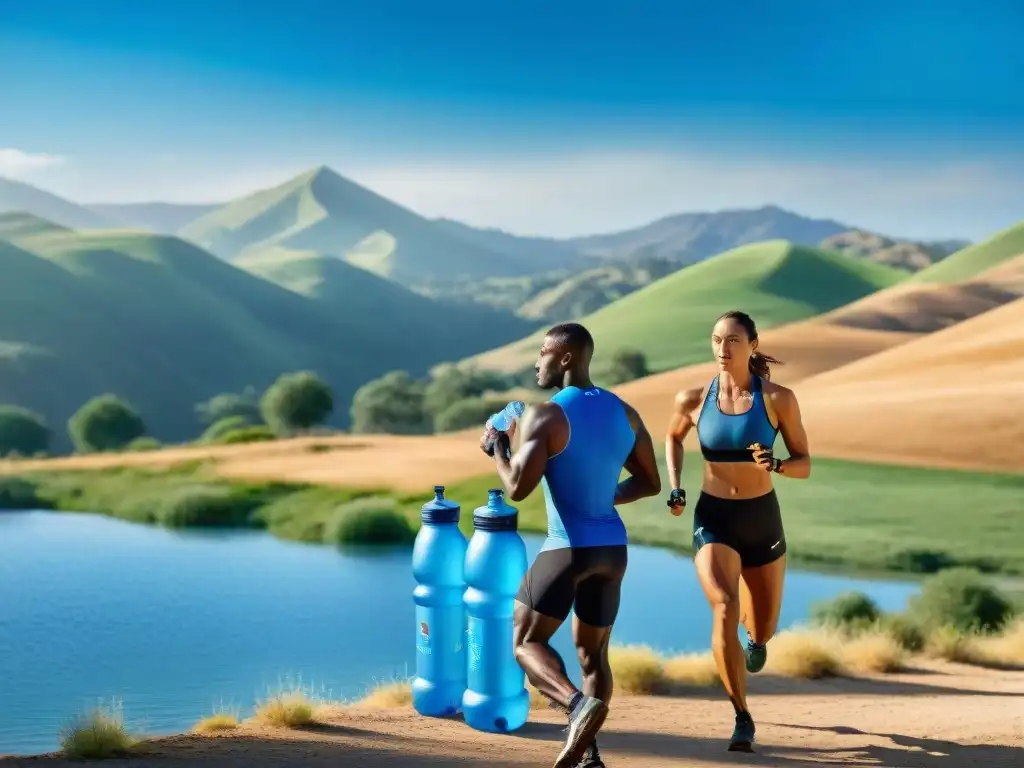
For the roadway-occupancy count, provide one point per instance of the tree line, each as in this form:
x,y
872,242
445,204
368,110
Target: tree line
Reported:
x,y
450,399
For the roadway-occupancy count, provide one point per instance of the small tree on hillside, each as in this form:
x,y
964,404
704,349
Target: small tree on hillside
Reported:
x,y
391,404
22,431
105,423
297,401
451,383
624,365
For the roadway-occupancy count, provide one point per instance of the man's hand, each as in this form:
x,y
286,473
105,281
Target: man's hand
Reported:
x,y
677,501
487,440
764,458
502,445
491,436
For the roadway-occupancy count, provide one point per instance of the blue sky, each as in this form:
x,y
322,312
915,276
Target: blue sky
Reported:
x,y
549,118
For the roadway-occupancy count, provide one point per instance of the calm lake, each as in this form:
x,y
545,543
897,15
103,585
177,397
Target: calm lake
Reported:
x,y
176,624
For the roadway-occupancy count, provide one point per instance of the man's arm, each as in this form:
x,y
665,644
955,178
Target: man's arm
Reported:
x,y
643,480
523,472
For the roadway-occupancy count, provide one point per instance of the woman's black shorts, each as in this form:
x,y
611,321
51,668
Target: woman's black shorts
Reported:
x,y
753,527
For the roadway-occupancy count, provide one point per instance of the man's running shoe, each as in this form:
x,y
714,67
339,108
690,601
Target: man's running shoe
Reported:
x,y
586,720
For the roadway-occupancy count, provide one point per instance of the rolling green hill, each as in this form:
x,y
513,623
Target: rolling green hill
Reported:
x,y
21,224
670,320
166,325
324,212
445,329
975,259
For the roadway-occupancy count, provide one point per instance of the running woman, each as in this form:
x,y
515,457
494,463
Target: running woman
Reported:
x,y
576,446
738,538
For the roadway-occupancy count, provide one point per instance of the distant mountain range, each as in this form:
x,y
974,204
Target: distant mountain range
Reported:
x,y
322,211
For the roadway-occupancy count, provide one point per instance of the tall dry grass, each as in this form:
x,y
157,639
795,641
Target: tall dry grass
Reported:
x,y
98,735
1004,650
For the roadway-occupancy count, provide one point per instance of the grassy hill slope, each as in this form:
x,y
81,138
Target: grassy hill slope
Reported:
x,y
18,196
670,320
166,325
23,224
324,212
445,331
976,258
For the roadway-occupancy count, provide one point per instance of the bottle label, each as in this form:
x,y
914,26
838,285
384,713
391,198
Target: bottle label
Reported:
x,y
423,633
439,633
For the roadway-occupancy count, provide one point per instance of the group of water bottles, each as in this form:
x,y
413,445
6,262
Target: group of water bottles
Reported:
x,y
464,601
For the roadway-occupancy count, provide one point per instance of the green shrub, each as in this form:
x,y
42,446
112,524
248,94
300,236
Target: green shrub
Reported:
x,y
222,427
17,493
104,423
905,631
208,505
850,610
297,401
368,521
960,599
300,514
257,434
144,443
22,432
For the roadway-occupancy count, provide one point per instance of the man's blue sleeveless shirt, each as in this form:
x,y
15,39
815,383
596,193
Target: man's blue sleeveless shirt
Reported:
x,y
579,483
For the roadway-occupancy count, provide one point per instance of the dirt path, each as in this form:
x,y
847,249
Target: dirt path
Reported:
x,y
945,716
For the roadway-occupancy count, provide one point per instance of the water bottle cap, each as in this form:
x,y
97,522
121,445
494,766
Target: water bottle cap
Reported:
x,y
439,509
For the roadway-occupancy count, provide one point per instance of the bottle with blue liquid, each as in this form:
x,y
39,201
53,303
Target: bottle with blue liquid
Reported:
x,y
437,566
496,699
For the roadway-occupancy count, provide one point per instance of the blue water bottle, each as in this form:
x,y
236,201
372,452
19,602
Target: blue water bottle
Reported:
x,y
496,698
437,562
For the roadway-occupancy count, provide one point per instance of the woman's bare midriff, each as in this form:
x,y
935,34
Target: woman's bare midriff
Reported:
x,y
728,480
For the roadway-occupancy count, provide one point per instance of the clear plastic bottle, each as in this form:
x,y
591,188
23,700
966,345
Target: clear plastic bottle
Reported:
x,y
503,419
438,558
496,699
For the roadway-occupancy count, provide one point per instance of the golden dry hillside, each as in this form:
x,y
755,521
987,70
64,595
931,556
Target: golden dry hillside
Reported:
x,y
949,398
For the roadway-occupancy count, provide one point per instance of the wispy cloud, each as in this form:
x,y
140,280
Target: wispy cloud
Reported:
x,y
18,163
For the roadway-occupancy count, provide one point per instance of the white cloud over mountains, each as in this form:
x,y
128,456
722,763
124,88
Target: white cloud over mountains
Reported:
x,y
17,164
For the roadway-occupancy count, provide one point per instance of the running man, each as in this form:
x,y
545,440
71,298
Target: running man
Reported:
x,y
738,538
576,446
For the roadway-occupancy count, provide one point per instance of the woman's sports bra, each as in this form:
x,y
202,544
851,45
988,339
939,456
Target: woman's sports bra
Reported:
x,y
725,437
